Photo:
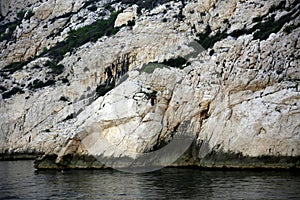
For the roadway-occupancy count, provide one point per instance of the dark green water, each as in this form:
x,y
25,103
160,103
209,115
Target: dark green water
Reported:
x,y
18,180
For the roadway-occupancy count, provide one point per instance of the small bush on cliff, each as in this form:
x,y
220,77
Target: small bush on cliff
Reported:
x,y
7,30
290,28
208,41
55,68
175,62
92,8
36,84
28,15
13,67
102,89
172,62
261,30
2,89
271,26
15,90
150,67
81,36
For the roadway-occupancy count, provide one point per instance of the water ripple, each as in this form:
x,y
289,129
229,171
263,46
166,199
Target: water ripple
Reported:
x,y
18,180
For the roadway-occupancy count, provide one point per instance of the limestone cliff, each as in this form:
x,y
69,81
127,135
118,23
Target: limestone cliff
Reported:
x,y
76,78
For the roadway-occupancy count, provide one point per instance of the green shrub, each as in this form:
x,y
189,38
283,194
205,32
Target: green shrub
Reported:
x,y
55,68
258,18
69,117
15,90
281,5
149,95
36,84
147,4
7,30
65,80
81,36
102,89
290,28
28,15
13,67
2,89
208,41
88,3
131,23
44,50
63,98
21,14
270,26
175,62
150,67
172,62
262,29
265,28
92,8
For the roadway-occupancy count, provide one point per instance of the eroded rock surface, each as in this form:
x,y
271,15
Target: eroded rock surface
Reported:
x,y
224,72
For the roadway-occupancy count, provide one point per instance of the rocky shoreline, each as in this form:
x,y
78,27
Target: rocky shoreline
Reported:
x,y
225,162
19,156
214,161
76,79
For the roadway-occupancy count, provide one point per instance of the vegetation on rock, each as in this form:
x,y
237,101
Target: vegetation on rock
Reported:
x,y
102,89
81,36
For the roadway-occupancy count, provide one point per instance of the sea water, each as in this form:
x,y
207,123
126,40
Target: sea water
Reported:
x,y
19,180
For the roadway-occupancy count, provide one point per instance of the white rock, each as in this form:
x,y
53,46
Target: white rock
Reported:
x,y
126,16
243,99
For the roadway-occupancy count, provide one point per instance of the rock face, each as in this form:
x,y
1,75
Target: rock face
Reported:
x,y
127,15
225,75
